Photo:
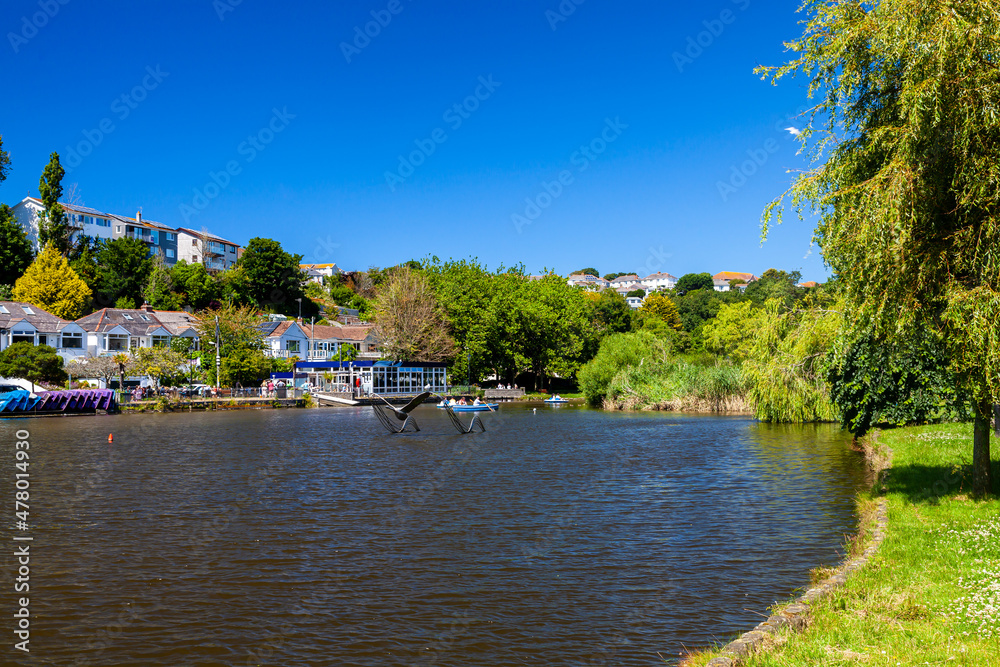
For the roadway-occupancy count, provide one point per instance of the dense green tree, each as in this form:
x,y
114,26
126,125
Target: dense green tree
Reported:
x,y
904,142
197,287
124,266
636,292
774,284
53,225
159,291
589,271
731,328
37,363
15,248
617,352
272,280
344,296
874,382
4,162
83,260
612,314
611,276
241,344
690,282
661,306
52,285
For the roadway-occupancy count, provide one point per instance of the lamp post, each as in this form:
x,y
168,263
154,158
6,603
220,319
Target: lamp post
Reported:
x,y
300,308
218,357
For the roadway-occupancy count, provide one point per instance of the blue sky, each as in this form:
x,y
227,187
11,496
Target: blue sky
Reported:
x,y
557,135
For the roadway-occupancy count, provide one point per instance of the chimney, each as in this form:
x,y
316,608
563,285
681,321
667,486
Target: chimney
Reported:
x,y
146,307
138,215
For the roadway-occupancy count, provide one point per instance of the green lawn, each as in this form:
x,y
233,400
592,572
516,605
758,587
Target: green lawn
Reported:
x,y
931,594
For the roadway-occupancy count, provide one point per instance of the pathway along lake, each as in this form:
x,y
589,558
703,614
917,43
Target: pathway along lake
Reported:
x,y
311,537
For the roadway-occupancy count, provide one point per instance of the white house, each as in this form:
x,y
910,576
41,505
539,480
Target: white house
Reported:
x,y
588,281
112,330
659,280
634,301
216,253
317,272
626,281
284,339
24,323
83,221
720,281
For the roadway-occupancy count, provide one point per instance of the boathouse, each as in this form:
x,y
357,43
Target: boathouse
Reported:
x,y
381,377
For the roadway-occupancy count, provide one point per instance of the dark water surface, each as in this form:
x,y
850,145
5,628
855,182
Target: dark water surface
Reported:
x,y
309,537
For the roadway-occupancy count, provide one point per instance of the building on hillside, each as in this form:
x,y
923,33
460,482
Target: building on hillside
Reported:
x,y
315,273
587,281
216,253
22,322
83,221
625,281
634,301
113,330
721,280
160,239
659,281
625,289
808,283
285,339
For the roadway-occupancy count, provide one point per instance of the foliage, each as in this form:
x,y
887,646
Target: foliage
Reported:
x,y
616,352
241,344
104,368
242,366
611,276
4,162
37,363
53,225
344,296
698,307
690,282
590,271
906,381
409,323
612,314
731,329
15,249
271,279
6,292
195,285
159,290
124,266
52,285
903,139
677,385
785,362
774,284
636,292
83,259
161,364
661,306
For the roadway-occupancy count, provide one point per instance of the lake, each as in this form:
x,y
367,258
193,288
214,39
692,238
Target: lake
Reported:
x,y
565,536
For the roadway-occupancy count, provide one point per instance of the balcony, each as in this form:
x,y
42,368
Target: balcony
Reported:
x,y
145,238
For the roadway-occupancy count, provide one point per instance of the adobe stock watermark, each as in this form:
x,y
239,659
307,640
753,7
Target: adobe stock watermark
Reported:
x,y
223,7
696,44
363,36
581,159
561,13
121,108
757,157
30,26
454,116
248,149
654,262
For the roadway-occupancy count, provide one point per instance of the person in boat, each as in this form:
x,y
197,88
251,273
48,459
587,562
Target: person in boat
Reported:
x,y
461,401
476,402
451,401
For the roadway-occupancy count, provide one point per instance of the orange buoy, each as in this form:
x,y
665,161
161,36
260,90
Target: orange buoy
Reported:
x,y
110,437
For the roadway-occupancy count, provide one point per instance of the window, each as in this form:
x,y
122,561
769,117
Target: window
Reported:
x,y
135,341
170,252
195,258
194,242
161,341
24,336
118,229
232,249
72,341
292,346
4,310
27,310
117,342
127,316
144,318
170,237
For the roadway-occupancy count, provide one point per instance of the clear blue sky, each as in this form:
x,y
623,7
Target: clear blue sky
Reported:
x,y
310,137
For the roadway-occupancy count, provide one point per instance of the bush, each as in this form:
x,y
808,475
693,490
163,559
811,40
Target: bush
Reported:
x,y
618,351
37,363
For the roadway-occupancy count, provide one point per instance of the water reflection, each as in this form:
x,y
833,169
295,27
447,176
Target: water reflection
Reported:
x,y
311,538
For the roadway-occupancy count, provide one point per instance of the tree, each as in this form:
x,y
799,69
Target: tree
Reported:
x,y
4,162
611,276
731,328
612,312
158,363
15,248
690,282
52,285
104,368
588,271
37,363
159,291
903,141
83,259
124,266
774,284
271,279
636,292
197,287
663,307
409,323
617,352
53,225
241,342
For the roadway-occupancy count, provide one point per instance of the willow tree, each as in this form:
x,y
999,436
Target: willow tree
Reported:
x,y
904,140
409,323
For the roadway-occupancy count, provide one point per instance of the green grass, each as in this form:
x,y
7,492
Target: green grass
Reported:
x,y
931,594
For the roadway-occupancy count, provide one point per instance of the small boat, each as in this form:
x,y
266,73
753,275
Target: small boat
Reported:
x,y
482,407
556,399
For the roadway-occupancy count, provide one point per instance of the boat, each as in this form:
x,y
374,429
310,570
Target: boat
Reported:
x,y
482,407
556,400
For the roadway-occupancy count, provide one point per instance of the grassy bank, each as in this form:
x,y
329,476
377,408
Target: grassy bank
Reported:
x,y
931,594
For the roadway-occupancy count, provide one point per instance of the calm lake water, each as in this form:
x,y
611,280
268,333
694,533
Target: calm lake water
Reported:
x,y
311,537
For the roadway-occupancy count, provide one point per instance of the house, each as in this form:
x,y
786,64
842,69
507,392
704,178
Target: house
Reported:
x,y
721,280
284,339
22,322
216,253
160,239
83,221
625,281
625,289
587,281
808,283
659,280
634,301
113,330
316,272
